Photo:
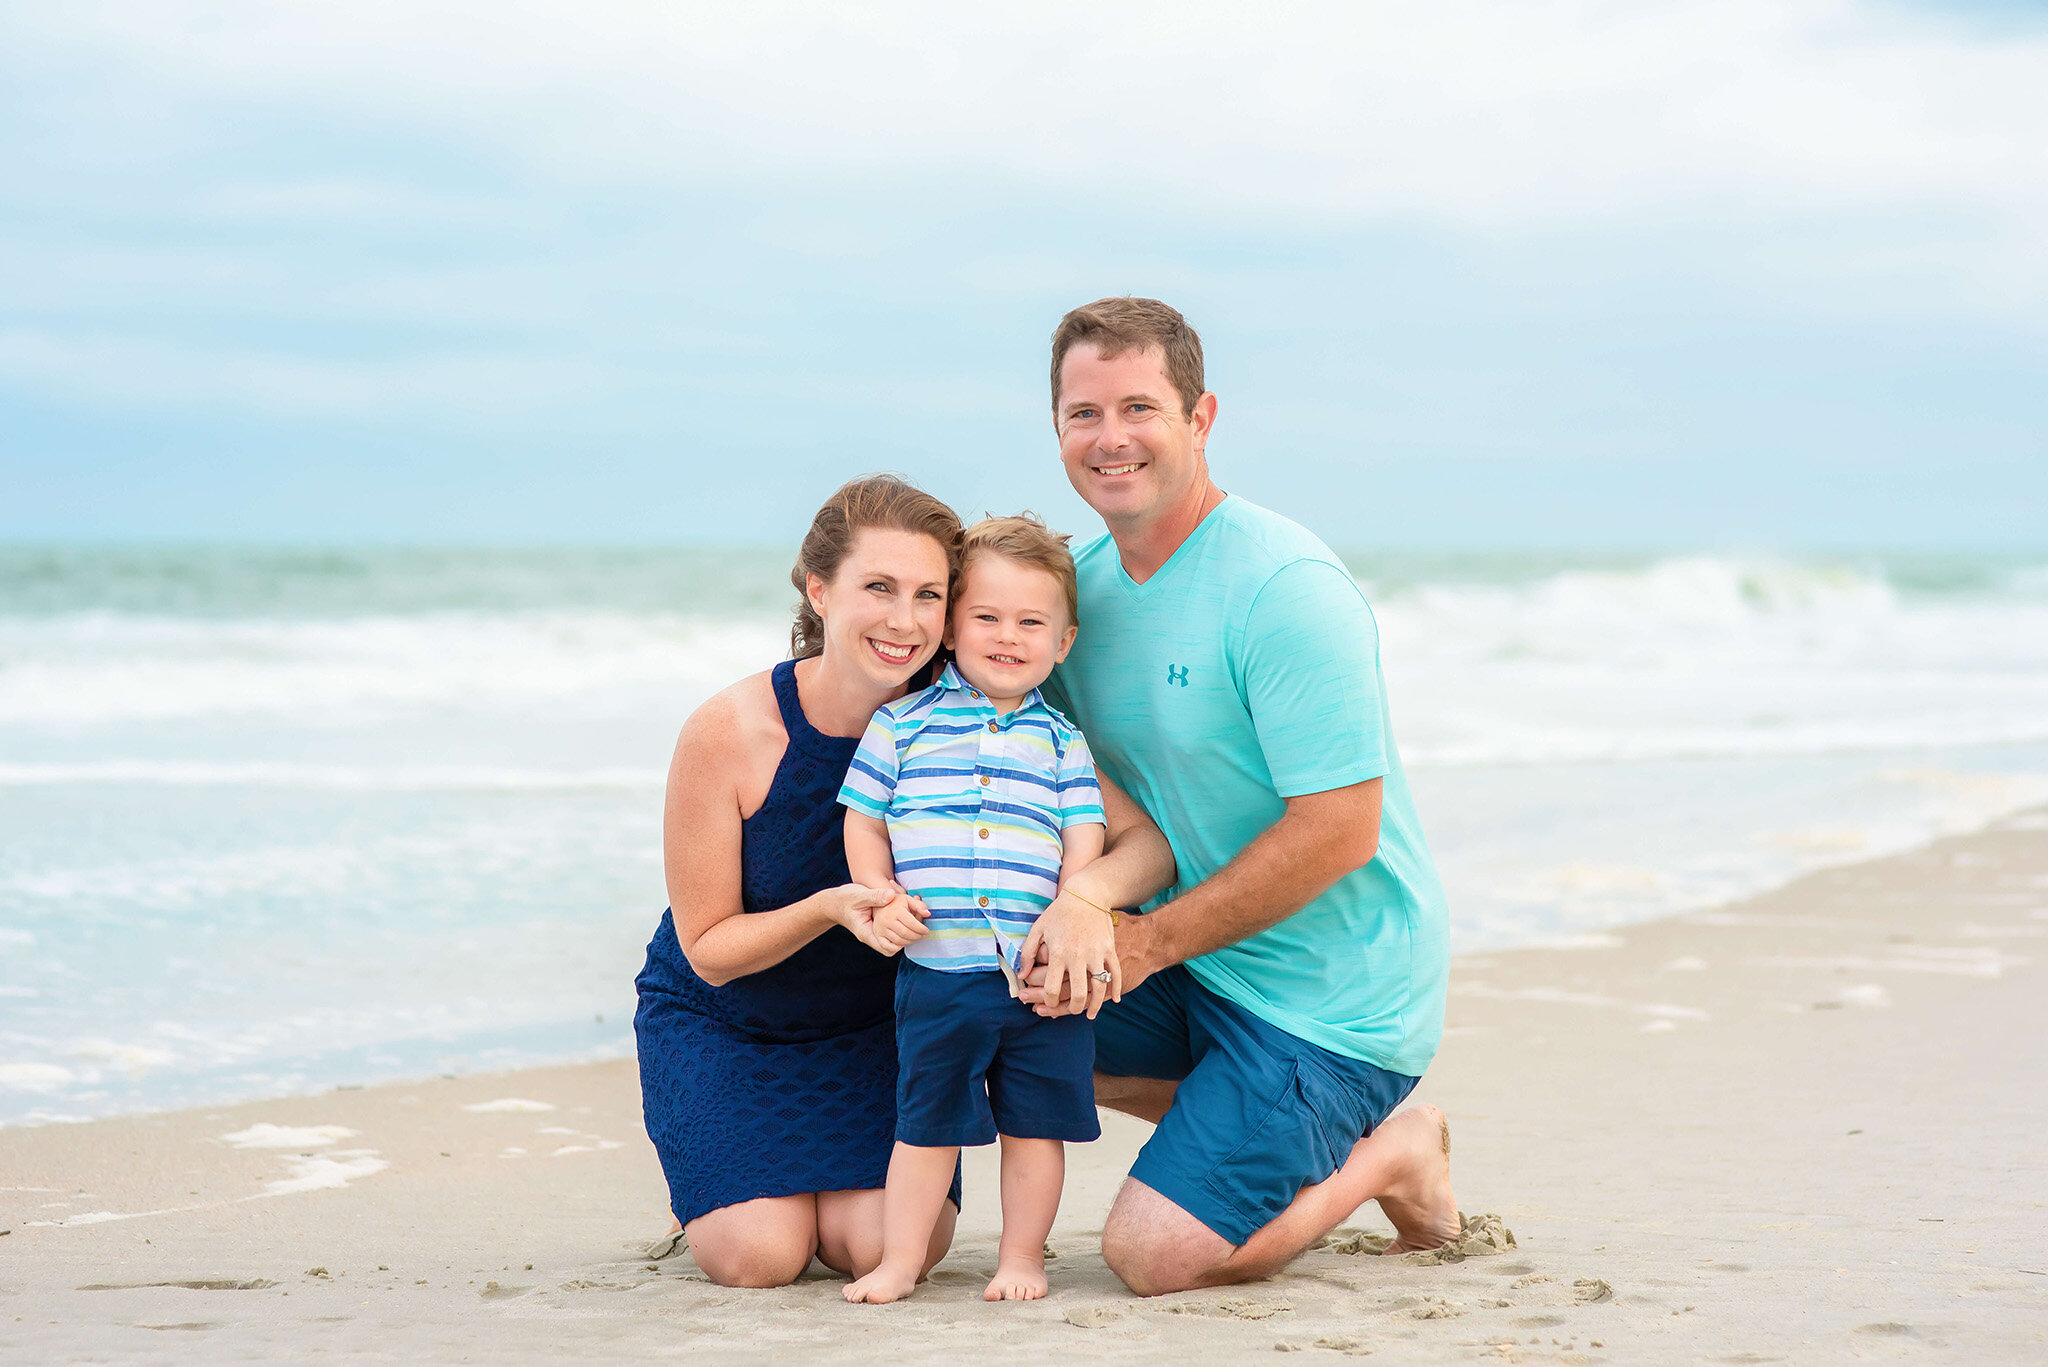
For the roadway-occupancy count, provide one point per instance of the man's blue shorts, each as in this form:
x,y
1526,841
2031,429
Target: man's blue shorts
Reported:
x,y
1259,1113
972,1062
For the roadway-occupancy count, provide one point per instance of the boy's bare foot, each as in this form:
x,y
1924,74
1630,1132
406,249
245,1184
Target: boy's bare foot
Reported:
x,y
1017,1279
883,1285
1418,1200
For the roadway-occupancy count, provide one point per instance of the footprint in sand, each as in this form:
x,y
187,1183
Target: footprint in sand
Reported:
x,y
1233,1309
1092,1316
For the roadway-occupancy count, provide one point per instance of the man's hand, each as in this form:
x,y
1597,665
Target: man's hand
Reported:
x,y
1074,941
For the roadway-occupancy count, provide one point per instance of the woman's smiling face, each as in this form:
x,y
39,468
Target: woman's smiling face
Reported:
x,y
885,610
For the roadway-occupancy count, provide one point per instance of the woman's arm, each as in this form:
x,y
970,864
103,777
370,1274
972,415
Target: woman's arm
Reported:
x,y
701,857
1074,933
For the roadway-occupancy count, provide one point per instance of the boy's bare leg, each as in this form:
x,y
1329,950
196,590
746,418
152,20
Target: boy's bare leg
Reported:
x,y
1034,1170
918,1181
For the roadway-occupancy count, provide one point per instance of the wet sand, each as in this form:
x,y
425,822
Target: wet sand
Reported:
x,y
1806,1128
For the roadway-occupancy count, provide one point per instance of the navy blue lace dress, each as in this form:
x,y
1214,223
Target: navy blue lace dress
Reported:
x,y
783,1081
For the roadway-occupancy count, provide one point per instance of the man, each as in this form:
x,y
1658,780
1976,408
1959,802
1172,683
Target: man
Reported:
x,y
1288,991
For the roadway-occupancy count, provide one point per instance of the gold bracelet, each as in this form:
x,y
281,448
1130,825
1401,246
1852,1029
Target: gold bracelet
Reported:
x,y
1114,919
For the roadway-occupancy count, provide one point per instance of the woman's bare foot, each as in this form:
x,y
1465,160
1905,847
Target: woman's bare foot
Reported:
x,y
883,1285
1020,1278
1419,1201
669,1243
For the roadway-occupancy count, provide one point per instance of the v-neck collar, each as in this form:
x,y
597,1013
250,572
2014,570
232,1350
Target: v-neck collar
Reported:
x,y
1136,590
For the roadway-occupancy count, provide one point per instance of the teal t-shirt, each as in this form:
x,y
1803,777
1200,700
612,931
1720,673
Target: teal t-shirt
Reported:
x,y
1247,671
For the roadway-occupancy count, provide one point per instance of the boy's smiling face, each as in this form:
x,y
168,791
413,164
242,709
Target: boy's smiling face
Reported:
x,y
1008,627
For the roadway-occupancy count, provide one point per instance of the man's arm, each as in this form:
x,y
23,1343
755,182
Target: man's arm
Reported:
x,y
1317,840
1136,863
1311,675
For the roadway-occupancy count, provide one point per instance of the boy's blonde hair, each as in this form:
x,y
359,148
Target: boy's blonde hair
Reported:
x,y
1028,541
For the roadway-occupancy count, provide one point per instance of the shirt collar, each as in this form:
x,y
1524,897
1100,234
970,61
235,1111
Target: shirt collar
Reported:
x,y
949,678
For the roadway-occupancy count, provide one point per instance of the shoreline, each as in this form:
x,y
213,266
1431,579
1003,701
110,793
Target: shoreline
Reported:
x,y
1799,1127
1757,886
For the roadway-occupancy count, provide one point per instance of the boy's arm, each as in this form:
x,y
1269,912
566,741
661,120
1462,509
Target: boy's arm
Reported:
x,y
868,856
870,860
869,788
1080,846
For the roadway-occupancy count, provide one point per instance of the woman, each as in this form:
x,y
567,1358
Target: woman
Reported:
x,y
766,1024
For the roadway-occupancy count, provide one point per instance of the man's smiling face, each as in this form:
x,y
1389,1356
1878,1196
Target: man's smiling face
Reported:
x,y
1129,449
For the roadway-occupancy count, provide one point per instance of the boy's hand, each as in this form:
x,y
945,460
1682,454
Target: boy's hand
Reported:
x,y
901,920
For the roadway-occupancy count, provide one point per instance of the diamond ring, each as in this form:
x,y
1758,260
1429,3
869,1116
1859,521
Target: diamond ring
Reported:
x,y
1100,975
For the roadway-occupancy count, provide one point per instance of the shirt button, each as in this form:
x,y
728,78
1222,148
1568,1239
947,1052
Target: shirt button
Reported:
x,y
986,780
973,692
983,901
991,726
984,832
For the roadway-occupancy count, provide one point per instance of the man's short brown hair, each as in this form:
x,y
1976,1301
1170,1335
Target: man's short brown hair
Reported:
x,y
1116,325
1028,541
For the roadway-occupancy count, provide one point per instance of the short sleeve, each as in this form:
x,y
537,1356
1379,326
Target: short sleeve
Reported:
x,y
871,779
1080,793
1310,673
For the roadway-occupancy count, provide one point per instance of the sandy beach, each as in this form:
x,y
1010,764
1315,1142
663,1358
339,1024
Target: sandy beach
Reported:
x,y
1803,1128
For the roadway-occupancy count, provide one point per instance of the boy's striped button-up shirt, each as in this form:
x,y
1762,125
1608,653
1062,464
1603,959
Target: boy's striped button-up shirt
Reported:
x,y
975,803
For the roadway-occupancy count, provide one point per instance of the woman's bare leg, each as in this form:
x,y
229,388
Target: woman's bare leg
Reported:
x,y
768,1242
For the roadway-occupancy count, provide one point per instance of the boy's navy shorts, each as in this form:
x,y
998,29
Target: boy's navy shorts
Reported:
x,y
1259,1113
973,1062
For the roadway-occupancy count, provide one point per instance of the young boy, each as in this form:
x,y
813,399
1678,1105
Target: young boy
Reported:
x,y
979,798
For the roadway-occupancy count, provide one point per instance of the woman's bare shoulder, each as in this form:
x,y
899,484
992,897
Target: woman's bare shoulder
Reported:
x,y
734,724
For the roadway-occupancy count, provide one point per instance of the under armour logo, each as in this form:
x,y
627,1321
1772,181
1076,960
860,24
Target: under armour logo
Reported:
x,y
1177,674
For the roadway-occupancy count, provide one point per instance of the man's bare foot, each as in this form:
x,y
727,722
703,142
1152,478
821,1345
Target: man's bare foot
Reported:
x,y
1017,1279
883,1285
1419,1201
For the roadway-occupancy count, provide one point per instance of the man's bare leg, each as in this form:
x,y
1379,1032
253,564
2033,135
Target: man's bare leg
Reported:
x,y
1144,1097
1157,1247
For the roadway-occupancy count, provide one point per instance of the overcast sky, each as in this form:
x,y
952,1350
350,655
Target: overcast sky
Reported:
x,y
1748,272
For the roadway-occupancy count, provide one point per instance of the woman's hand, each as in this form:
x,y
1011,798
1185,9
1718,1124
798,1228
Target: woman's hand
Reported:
x,y
1076,941
854,905
885,919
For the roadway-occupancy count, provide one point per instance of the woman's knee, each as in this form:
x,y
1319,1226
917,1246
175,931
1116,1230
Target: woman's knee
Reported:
x,y
744,1246
850,1231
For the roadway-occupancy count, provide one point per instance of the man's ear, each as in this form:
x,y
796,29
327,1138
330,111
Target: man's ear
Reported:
x,y
1066,644
1204,418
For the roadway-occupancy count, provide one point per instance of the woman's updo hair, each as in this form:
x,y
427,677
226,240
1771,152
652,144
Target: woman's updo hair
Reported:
x,y
883,501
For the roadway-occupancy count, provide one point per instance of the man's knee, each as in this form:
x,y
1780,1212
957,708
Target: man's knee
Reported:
x,y
1156,1248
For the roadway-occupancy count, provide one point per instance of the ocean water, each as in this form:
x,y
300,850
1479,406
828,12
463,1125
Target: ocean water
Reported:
x,y
275,821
